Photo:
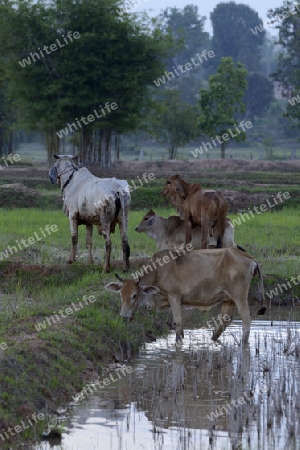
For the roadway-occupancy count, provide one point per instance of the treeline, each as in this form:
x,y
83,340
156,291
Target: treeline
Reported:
x,y
63,63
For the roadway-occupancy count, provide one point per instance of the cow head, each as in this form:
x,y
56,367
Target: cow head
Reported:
x,y
146,222
131,292
63,164
176,190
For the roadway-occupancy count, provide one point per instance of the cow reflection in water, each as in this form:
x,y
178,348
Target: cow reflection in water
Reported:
x,y
180,389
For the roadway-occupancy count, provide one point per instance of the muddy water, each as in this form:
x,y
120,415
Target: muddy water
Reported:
x,y
203,395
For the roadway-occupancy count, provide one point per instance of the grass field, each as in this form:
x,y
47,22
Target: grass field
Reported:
x,y
271,237
34,153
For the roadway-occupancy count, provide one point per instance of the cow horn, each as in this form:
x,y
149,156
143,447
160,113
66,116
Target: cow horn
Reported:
x,y
119,278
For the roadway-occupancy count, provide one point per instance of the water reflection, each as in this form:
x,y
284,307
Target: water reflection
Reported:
x,y
203,395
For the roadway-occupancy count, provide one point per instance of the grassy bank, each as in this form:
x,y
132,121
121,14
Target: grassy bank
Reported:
x,y
43,369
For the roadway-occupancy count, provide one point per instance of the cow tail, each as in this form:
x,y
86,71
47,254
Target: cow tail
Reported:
x,y
122,195
221,224
263,309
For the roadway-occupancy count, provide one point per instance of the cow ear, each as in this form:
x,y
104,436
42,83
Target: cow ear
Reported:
x,y
150,290
56,156
114,287
150,221
179,189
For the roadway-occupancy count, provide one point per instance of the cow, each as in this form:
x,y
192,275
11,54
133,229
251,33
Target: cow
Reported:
x,y
205,208
199,278
169,233
89,201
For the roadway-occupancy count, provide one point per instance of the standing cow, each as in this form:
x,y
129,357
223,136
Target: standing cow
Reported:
x,y
89,201
199,278
197,207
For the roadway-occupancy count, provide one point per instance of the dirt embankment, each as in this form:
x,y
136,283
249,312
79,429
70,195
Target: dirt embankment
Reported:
x,y
193,168
162,169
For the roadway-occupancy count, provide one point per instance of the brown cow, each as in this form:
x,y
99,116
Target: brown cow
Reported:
x,y
199,278
197,206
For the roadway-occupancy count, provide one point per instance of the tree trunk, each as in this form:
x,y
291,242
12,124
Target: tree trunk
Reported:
x,y
117,146
223,150
1,141
107,152
173,151
10,142
86,144
53,144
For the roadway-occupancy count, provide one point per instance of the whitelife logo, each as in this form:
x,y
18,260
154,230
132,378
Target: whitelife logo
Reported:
x,y
25,243
10,160
225,137
280,197
62,314
90,118
187,66
53,47
131,187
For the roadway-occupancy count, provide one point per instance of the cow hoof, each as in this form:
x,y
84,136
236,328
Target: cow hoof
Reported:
x,y
106,269
178,344
69,261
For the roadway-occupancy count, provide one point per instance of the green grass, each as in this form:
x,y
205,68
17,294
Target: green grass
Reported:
x,y
271,237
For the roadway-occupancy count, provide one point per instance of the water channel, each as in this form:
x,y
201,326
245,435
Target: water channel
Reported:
x,y
204,395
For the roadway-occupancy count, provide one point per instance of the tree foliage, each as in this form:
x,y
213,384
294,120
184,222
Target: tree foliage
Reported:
x,y
222,101
174,122
187,29
232,36
115,59
258,96
286,19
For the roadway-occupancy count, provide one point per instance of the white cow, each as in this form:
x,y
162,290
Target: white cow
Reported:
x,y
89,201
170,233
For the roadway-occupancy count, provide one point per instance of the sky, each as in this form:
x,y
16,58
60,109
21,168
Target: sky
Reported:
x,y
206,7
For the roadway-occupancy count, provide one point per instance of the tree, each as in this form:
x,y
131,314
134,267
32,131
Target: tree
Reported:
x,y
235,35
222,101
258,96
113,59
286,20
174,122
187,30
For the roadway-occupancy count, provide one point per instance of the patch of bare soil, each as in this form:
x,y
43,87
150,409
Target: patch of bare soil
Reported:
x,y
241,201
21,188
162,169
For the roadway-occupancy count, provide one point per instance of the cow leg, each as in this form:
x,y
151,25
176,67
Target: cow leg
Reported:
x,y
74,237
227,309
204,236
188,232
89,240
177,316
244,312
125,245
106,235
